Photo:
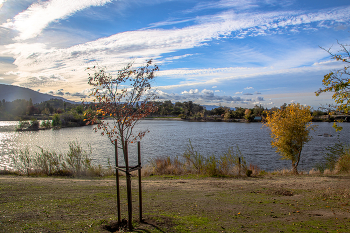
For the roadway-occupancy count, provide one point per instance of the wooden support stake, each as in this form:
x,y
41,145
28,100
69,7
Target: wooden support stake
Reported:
x,y
117,180
239,165
128,186
140,188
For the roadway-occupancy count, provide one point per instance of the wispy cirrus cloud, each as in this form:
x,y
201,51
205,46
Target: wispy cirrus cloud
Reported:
x,y
224,4
38,60
38,16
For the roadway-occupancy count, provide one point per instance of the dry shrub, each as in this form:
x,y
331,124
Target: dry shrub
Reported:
x,y
328,172
166,166
147,170
314,171
283,192
255,169
343,163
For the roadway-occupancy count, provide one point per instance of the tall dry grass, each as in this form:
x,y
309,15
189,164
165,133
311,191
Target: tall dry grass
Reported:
x,y
231,163
76,162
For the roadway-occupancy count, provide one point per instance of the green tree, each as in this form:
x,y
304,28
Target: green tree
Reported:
x,y
338,82
228,114
290,127
46,111
219,111
258,110
248,115
56,121
238,113
79,109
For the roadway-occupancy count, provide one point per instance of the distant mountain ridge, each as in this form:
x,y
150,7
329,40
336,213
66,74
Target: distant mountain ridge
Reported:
x,y
11,93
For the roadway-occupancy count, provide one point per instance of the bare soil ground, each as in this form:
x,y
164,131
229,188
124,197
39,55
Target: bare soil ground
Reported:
x,y
178,204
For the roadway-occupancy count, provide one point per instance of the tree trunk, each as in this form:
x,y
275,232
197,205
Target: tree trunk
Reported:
x,y
295,169
117,180
128,186
295,164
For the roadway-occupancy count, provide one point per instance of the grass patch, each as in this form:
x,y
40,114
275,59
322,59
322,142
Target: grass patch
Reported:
x,y
281,203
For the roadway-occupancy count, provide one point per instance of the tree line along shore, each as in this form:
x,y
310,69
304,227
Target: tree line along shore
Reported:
x,y
65,114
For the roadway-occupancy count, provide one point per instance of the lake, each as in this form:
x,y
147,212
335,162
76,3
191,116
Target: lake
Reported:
x,y
170,138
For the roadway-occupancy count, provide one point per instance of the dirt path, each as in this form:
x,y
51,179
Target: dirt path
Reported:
x,y
171,204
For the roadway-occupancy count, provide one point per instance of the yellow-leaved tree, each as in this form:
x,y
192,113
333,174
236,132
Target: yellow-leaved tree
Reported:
x,y
338,82
290,127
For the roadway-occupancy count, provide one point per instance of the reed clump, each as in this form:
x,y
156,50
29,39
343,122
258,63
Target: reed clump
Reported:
x,y
76,162
231,163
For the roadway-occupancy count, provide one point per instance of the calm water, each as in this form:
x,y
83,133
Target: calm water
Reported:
x,y
171,137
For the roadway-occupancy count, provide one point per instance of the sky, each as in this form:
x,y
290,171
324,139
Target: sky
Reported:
x,y
233,53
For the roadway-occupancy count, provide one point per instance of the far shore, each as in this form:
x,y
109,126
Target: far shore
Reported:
x,y
199,119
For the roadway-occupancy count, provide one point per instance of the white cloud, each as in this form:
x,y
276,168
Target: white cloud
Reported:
x,y
39,15
208,93
177,57
2,2
68,65
248,88
237,4
155,42
169,22
206,96
191,92
197,77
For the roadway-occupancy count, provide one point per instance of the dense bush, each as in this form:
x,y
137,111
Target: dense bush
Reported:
x,y
26,125
45,124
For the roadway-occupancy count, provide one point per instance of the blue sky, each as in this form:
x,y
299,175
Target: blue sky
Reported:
x,y
224,52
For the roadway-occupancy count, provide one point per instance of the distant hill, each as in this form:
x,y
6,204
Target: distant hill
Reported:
x,y
11,93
